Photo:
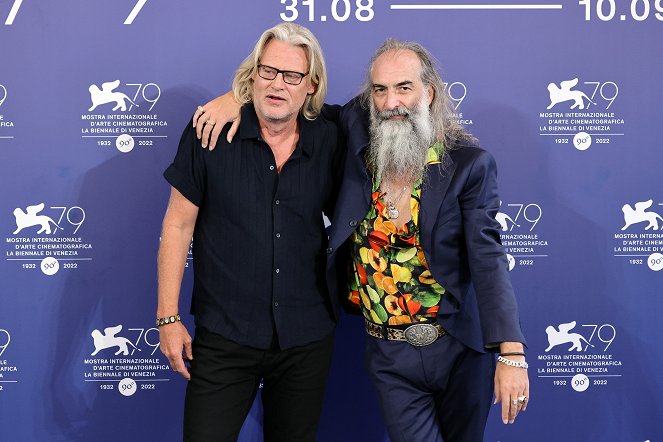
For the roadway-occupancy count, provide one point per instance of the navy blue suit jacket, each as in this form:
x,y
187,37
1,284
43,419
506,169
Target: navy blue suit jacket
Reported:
x,y
458,233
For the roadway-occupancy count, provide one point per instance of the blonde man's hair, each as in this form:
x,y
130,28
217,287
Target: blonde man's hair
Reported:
x,y
297,36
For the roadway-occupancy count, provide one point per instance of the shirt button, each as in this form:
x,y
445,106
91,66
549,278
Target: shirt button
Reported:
x,y
329,250
276,304
278,235
271,167
278,270
277,202
353,223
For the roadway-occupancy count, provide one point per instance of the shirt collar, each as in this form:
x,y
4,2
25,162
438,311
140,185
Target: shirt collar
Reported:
x,y
250,128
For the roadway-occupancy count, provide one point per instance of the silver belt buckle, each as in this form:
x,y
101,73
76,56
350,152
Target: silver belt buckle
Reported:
x,y
420,335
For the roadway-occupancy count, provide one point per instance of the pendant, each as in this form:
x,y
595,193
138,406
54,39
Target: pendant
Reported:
x,y
392,212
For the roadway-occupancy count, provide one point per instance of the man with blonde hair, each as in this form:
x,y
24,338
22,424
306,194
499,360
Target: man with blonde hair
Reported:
x,y
253,207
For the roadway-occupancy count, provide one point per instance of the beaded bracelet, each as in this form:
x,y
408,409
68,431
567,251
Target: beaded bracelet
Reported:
x,y
168,320
511,363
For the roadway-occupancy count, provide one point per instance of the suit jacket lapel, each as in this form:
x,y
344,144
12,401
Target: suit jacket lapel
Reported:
x,y
353,200
436,184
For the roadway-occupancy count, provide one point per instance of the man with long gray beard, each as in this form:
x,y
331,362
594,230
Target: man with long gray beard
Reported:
x,y
429,273
415,218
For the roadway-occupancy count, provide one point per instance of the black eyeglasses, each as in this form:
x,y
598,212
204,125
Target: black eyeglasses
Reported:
x,y
290,77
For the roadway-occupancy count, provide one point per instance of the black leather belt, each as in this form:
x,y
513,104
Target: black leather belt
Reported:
x,y
415,334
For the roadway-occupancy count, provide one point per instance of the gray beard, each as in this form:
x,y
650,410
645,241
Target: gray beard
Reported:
x,y
398,148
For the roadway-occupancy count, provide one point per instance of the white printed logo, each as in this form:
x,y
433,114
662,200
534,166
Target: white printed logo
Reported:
x,y
655,262
521,244
107,95
569,362
109,340
127,387
6,340
640,215
3,92
49,266
580,382
564,93
506,222
31,218
563,336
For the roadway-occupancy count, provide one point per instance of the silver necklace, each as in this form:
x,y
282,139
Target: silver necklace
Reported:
x,y
392,211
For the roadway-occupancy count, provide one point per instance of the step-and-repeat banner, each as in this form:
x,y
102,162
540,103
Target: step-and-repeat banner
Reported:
x,y
94,95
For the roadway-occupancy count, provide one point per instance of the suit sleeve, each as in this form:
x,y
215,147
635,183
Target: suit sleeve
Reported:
x,y
496,300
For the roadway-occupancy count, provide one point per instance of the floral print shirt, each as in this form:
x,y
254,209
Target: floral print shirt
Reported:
x,y
391,281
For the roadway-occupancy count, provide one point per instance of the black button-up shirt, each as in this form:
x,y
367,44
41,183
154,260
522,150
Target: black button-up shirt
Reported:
x,y
259,245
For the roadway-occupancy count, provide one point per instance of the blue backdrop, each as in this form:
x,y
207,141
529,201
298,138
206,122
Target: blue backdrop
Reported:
x,y
93,98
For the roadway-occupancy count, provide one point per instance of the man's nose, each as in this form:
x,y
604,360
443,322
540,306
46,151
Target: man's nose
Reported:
x,y
278,82
392,101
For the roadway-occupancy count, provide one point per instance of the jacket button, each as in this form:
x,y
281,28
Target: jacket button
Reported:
x,y
353,223
330,250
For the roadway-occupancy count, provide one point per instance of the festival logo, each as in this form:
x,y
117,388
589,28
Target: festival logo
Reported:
x,y
123,116
581,113
107,94
47,238
8,371
6,124
125,360
564,92
640,237
457,92
523,242
577,357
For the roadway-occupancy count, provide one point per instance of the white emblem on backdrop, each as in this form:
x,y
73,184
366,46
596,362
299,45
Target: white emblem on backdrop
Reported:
x,y
581,114
124,116
51,236
31,218
564,93
562,336
109,340
506,222
573,360
522,244
107,95
639,214
643,242
118,361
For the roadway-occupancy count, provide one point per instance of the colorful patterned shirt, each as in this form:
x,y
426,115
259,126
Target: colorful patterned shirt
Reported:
x,y
391,281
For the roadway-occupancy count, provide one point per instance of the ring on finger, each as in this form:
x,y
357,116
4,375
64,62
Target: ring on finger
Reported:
x,y
514,402
522,399
200,108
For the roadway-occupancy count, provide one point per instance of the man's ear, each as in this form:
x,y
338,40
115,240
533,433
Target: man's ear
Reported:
x,y
311,88
431,94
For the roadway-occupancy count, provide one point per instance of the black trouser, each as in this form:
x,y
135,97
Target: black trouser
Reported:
x,y
225,377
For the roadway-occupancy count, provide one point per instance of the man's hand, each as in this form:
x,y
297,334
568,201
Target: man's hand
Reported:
x,y
511,383
176,346
210,119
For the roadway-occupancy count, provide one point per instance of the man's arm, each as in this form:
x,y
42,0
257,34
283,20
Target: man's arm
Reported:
x,y
497,304
177,230
511,383
210,119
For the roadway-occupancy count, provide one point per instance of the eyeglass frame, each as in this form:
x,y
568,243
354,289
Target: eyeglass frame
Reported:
x,y
282,72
